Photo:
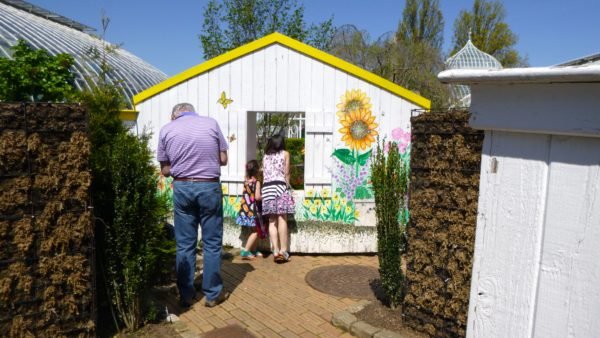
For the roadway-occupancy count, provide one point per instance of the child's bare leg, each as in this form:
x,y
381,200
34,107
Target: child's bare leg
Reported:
x,y
273,233
251,242
283,232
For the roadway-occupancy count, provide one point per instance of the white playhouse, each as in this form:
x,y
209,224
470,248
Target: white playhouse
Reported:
x,y
343,110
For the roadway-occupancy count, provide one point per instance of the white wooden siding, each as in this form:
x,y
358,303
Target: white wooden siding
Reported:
x,y
568,303
275,79
536,270
509,225
536,267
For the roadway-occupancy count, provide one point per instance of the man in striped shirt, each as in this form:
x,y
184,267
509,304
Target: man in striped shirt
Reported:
x,y
192,149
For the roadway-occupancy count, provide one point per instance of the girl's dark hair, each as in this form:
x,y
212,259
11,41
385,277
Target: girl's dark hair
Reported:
x,y
252,168
275,144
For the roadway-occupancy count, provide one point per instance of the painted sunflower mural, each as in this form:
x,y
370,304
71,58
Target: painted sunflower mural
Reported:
x,y
353,100
358,129
359,132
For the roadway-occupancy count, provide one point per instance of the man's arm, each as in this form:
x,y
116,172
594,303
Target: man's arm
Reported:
x,y
223,157
165,168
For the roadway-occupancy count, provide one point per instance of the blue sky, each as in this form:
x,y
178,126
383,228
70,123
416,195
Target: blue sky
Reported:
x,y
165,33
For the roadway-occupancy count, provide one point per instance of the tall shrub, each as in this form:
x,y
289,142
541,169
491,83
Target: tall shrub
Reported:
x,y
390,179
129,212
132,241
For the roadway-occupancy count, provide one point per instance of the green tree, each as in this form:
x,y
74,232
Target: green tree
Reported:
x,y
231,23
35,75
422,22
415,66
488,31
410,57
416,57
354,46
390,177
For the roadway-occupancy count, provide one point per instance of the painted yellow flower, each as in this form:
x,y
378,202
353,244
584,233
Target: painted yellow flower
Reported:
x,y
225,189
237,206
336,197
313,209
231,200
310,193
353,100
318,203
338,207
328,203
325,192
348,209
344,201
323,210
358,129
306,203
356,213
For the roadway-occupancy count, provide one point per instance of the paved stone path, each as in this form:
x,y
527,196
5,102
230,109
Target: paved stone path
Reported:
x,y
272,300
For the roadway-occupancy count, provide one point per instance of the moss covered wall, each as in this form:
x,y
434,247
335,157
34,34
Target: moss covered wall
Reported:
x,y
46,237
444,189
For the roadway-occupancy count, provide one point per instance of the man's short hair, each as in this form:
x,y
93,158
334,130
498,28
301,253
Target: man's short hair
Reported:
x,y
181,108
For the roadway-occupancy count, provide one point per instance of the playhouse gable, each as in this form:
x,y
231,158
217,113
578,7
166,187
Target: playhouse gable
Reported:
x,y
279,75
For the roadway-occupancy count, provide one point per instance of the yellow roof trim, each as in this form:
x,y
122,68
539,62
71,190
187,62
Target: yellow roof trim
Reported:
x,y
128,114
295,45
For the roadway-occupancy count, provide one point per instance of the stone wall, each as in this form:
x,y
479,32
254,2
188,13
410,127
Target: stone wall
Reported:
x,y
46,235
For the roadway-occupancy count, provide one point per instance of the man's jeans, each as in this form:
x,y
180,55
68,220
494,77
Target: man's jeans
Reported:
x,y
198,202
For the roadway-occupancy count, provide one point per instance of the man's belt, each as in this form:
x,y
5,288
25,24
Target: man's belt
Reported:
x,y
196,179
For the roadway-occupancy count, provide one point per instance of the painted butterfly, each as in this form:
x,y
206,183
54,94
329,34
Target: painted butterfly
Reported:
x,y
224,101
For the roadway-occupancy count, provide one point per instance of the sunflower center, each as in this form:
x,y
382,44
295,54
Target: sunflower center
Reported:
x,y
353,105
359,130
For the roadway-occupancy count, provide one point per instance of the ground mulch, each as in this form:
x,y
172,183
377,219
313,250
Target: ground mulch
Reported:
x,y
158,330
361,282
379,315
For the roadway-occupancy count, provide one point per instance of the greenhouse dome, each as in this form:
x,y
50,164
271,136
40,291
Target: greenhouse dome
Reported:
x,y
43,29
469,57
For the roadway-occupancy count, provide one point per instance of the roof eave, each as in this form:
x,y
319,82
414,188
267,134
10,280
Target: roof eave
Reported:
x,y
522,75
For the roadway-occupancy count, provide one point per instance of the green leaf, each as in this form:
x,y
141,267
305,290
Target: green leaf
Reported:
x,y
364,157
345,156
362,193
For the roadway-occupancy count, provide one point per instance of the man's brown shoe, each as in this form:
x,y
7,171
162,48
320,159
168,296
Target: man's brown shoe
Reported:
x,y
220,299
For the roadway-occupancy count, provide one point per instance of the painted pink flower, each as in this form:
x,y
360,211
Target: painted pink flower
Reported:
x,y
402,138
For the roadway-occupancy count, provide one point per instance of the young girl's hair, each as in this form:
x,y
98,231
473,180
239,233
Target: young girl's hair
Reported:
x,y
252,168
275,144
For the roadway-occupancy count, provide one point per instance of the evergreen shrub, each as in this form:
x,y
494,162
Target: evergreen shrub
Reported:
x,y
390,183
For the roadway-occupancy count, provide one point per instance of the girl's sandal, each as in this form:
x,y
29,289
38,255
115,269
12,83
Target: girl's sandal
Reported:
x,y
257,254
277,258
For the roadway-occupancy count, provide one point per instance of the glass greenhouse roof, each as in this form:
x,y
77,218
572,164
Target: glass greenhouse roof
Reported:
x,y
43,29
469,57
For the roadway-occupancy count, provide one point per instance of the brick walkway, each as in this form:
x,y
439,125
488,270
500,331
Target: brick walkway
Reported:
x,y
272,300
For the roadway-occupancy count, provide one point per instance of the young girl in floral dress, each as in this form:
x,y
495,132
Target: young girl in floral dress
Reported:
x,y
277,199
249,214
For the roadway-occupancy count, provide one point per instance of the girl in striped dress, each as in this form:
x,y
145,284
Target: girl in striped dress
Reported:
x,y
277,199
